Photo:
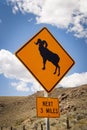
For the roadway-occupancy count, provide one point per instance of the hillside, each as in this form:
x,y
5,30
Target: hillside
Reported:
x,y
20,111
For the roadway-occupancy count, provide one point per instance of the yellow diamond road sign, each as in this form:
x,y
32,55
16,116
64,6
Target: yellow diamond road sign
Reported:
x,y
45,58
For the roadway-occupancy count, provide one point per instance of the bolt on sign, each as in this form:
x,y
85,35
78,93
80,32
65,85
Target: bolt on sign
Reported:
x,y
47,107
45,58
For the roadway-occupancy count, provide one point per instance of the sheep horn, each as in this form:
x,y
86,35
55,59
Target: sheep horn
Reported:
x,y
45,43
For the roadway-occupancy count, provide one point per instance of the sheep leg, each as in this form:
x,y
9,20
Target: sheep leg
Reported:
x,y
57,67
55,70
58,70
44,62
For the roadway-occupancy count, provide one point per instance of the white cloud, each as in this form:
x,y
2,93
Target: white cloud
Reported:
x,y
83,6
12,68
59,13
20,86
15,9
68,14
74,80
29,20
29,6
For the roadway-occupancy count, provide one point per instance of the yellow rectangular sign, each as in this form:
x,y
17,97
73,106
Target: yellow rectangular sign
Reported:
x,y
47,107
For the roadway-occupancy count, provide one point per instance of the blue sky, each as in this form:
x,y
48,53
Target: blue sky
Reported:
x,y
21,20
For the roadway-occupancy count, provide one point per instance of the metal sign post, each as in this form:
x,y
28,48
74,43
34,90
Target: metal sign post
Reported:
x,y
47,124
47,119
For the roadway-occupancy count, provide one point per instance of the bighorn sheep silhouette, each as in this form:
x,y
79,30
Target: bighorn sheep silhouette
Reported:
x,y
48,55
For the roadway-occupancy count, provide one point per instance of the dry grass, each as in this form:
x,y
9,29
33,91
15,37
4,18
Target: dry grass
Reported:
x,y
19,111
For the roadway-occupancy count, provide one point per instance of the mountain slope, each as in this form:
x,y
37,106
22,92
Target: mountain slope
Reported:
x,y
19,111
